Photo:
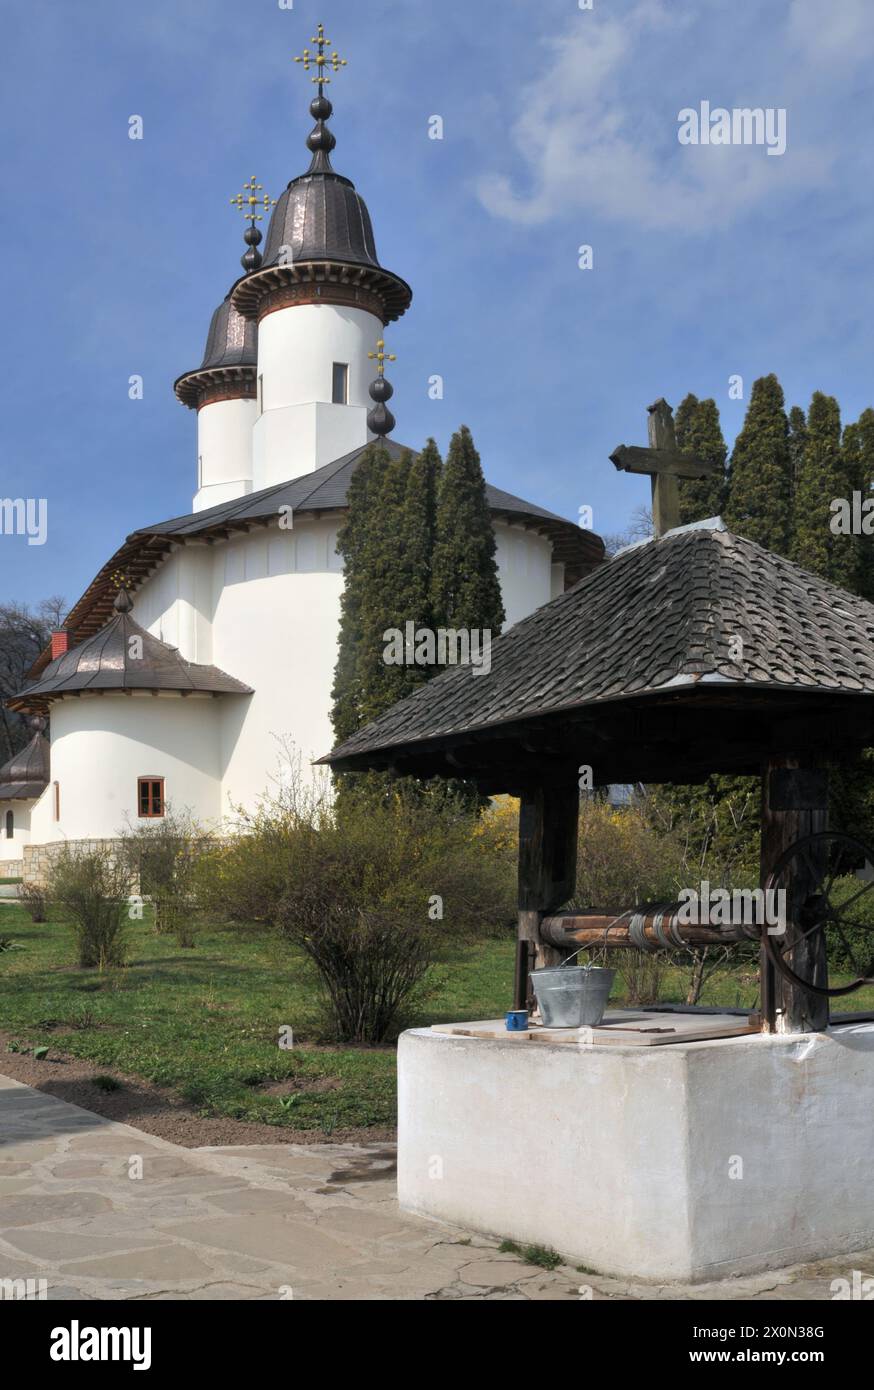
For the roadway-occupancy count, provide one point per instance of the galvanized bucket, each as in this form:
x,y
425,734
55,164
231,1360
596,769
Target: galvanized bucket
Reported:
x,y
572,996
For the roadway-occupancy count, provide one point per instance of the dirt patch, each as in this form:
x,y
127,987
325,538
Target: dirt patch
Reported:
x,y
155,1110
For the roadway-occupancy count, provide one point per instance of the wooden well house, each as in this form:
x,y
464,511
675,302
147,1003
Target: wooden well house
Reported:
x,y
694,653
699,652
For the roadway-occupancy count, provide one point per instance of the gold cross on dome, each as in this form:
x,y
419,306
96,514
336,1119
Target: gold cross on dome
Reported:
x,y
321,60
248,201
380,357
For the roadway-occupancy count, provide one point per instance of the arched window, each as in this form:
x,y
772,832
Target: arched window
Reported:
x,y
10,825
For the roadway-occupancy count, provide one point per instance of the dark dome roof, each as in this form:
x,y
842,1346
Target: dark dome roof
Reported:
x,y
320,217
26,775
229,360
232,341
105,662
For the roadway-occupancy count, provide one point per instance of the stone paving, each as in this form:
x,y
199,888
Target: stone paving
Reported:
x,y
103,1211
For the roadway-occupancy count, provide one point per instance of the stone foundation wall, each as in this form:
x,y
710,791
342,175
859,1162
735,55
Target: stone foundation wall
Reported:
x,y
11,868
38,859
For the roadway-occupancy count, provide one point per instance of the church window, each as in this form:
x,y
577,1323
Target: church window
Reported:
x,y
57,790
150,796
340,388
200,470
261,394
10,825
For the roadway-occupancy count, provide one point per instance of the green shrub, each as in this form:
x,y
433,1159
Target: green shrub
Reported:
x,y
161,856
368,890
88,885
34,901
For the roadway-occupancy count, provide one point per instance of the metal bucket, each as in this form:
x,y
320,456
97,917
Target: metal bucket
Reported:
x,y
573,996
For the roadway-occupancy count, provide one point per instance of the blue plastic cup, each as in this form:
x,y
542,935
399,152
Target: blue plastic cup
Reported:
x,y
517,1020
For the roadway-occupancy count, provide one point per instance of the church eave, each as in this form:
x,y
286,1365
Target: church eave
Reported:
x,y
347,282
193,389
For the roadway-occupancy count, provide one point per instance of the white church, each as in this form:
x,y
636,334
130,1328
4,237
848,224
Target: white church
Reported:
x,y
207,642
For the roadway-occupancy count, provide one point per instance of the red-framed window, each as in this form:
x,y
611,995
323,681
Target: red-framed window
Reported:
x,y
150,796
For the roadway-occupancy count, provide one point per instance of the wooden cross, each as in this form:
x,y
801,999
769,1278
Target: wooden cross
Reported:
x,y
664,462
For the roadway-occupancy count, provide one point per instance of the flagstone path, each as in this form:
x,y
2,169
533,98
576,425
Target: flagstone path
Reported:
x,y
102,1211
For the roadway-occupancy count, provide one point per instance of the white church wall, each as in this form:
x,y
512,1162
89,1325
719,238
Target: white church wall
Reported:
x,y
297,348
42,822
265,607
101,746
525,570
277,621
176,603
10,848
224,451
298,439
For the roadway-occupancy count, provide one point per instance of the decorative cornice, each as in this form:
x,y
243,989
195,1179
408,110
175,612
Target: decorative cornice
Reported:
x,y
275,287
200,388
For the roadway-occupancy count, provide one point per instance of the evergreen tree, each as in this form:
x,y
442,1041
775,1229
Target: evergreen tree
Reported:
x,y
820,479
759,490
353,544
858,468
797,444
465,591
698,432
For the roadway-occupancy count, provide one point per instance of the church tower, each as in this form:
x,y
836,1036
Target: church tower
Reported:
x,y
320,301
223,392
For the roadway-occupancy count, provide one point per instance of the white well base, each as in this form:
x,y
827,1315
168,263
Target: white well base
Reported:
x,y
689,1162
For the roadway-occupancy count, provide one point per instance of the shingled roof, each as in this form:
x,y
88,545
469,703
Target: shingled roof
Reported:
x,y
656,628
26,775
324,490
111,662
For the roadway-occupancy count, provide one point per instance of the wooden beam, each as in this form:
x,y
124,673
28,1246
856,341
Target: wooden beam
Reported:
x,y
548,826
794,804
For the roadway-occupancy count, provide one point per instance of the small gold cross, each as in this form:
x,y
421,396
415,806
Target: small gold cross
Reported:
x,y
248,201
380,357
321,60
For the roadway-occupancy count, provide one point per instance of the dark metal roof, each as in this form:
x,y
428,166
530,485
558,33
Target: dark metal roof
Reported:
x,y
637,672
109,661
231,354
321,217
26,775
324,490
232,341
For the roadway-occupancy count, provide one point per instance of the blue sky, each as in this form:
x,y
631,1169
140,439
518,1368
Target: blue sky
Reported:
x,y
560,129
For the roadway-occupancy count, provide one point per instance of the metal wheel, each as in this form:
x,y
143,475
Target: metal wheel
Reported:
x,y
822,863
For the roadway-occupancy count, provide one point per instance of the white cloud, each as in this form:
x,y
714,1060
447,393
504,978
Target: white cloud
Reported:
x,y
836,32
600,134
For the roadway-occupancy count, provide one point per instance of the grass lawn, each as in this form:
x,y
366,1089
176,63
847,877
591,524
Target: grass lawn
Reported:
x,y
206,1022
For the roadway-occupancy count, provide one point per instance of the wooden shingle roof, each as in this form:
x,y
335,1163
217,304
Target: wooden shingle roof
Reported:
x,y
700,638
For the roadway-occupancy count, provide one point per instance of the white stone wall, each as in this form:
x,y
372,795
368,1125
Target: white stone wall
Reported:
x,y
12,849
626,1159
224,451
299,428
102,745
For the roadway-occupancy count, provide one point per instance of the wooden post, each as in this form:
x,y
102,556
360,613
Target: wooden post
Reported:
x,y
793,805
548,823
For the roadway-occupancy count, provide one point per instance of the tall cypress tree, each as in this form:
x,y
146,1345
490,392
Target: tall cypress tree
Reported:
x,y
699,432
465,591
858,469
820,479
797,445
759,489
353,545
